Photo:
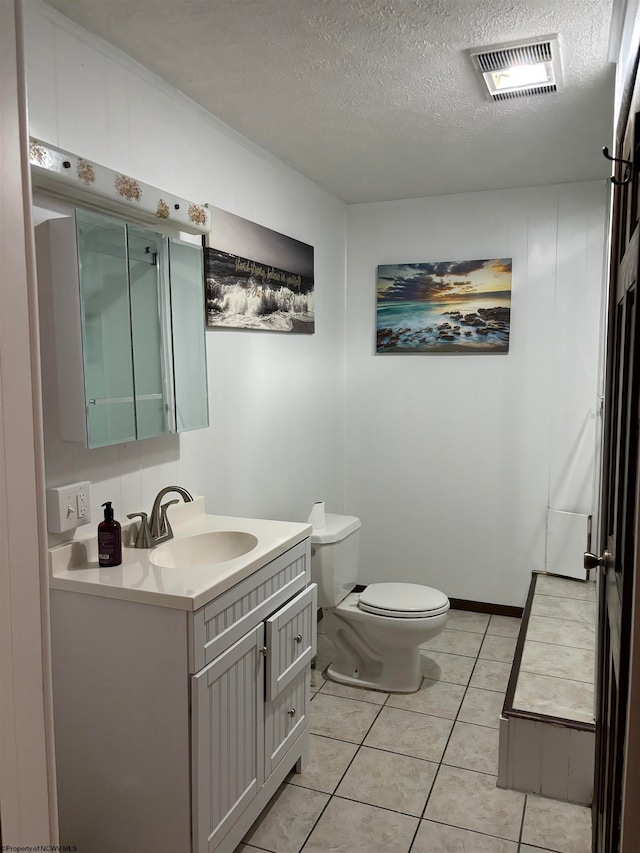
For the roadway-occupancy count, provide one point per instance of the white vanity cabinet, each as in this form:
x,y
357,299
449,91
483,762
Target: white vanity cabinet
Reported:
x,y
173,728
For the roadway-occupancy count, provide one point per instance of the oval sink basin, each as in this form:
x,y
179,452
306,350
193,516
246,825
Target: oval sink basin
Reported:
x,y
203,549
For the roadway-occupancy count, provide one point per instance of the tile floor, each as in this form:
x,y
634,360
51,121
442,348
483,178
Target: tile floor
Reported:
x,y
399,773
557,672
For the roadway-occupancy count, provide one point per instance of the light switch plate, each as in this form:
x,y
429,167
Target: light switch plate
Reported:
x,y
68,506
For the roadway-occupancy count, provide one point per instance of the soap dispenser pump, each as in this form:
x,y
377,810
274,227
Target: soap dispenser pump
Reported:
x,y
109,539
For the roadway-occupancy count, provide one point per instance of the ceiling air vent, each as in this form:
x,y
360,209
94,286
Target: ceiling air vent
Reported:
x,y
520,69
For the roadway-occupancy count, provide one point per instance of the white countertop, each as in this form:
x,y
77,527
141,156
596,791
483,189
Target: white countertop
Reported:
x,y
74,566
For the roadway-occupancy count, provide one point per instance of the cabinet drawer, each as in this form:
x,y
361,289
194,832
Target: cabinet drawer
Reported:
x,y
291,640
285,718
218,625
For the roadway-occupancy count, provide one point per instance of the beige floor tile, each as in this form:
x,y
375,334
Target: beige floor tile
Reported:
x,y
559,661
551,585
438,698
410,733
567,609
390,781
498,648
456,643
334,688
482,707
245,848
564,827
288,819
438,838
472,801
491,675
328,761
344,719
504,626
439,666
466,620
348,827
545,629
524,848
473,748
555,697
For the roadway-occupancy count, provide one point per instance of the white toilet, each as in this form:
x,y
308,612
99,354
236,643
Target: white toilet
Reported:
x,y
376,633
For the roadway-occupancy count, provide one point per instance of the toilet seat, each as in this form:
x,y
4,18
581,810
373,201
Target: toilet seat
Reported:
x,y
403,600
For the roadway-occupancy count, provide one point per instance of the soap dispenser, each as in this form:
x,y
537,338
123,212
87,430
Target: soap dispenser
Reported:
x,y
109,539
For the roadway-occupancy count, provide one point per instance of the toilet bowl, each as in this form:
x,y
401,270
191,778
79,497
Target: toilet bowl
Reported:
x,y
376,633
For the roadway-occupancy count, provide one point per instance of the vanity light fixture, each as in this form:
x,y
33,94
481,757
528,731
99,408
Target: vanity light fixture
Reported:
x,y
71,176
520,69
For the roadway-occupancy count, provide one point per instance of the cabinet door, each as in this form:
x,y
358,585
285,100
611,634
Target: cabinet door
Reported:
x,y
150,331
186,272
291,640
106,329
227,738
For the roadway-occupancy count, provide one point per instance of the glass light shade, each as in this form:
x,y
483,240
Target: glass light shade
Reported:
x,y
520,77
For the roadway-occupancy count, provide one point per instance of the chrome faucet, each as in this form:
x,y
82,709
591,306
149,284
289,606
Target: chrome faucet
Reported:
x,y
156,528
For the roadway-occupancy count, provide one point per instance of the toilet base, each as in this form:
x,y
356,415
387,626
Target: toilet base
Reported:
x,y
401,676
377,652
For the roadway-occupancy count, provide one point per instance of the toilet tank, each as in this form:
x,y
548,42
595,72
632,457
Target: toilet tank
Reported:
x,y
334,558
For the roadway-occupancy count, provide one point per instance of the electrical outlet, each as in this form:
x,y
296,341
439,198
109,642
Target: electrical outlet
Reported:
x,y
68,507
82,502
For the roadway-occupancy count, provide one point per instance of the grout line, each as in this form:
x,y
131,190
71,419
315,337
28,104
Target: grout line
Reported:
x,y
558,677
315,823
372,806
565,597
403,754
524,810
477,832
439,763
332,795
560,645
570,622
466,690
455,721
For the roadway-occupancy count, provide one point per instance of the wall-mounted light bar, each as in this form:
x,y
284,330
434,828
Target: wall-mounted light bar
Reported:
x,y
80,179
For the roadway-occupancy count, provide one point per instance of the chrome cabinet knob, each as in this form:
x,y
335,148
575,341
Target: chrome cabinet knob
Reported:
x,y
298,638
291,712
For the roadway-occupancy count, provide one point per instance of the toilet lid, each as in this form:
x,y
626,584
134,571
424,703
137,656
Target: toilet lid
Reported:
x,y
409,600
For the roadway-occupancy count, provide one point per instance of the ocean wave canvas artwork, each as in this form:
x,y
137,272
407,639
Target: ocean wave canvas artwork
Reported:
x,y
444,307
256,278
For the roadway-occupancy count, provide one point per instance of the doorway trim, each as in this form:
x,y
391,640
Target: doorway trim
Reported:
x,y
28,808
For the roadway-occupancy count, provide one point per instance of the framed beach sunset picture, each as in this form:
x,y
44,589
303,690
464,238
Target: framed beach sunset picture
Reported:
x,y
444,307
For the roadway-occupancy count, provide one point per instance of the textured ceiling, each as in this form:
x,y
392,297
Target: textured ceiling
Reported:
x,y
376,99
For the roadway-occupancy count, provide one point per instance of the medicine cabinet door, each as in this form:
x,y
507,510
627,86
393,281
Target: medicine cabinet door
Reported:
x,y
186,273
150,330
106,329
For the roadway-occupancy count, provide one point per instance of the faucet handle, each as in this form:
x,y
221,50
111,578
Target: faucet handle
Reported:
x,y
165,526
144,539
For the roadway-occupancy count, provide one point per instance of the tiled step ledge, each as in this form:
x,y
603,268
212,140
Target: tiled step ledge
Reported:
x,y
547,730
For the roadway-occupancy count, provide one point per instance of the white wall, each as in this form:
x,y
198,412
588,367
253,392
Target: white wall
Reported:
x,y
453,460
276,413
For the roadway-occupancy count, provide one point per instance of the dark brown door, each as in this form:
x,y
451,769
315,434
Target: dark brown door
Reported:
x,y
615,774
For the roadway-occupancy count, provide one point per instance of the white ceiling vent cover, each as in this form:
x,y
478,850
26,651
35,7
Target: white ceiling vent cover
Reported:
x,y
520,69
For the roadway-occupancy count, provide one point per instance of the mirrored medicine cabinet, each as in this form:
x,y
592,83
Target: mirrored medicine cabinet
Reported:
x,y
128,328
